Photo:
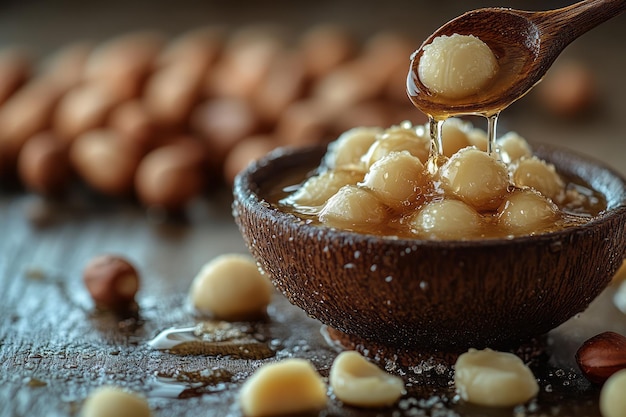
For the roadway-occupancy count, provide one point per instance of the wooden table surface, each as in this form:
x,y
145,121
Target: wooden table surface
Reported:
x,y
55,347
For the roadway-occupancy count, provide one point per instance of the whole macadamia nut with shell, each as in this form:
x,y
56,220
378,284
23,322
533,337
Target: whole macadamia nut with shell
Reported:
x,y
231,287
112,281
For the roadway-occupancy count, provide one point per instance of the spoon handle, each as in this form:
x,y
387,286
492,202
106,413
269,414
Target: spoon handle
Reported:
x,y
570,22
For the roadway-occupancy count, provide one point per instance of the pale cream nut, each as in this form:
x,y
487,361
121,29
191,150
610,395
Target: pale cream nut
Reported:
x,y
288,387
478,138
318,189
539,175
111,401
446,219
457,66
353,206
526,211
399,138
476,178
397,179
230,287
349,148
513,147
612,398
358,382
495,379
454,134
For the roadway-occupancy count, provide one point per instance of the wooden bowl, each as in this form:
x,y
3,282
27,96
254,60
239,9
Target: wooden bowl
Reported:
x,y
410,295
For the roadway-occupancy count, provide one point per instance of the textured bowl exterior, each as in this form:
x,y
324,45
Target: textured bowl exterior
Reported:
x,y
441,295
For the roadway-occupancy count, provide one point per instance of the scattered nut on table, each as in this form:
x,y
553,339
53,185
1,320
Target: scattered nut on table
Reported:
x,y
110,401
494,379
289,387
356,381
230,287
612,398
112,281
601,356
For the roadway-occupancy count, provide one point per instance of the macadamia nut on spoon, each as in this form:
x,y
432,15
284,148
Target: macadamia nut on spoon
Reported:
x,y
457,66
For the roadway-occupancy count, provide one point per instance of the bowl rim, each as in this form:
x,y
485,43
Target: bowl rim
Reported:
x,y
247,191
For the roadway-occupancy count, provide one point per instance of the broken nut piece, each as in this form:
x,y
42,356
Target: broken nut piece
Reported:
x,y
494,379
288,387
358,382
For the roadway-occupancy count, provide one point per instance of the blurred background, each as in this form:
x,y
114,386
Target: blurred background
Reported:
x,y
225,81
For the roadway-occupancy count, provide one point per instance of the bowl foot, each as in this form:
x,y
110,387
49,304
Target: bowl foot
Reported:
x,y
418,361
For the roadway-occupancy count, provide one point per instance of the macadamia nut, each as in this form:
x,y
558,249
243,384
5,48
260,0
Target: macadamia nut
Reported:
x,y
447,219
457,66
318,189
399,138
353,206
454,136
513,147
539,175
476,178
349,148
112,281
612,398
231,287
357,382
494,379
288,387
115,402
526,211
396,179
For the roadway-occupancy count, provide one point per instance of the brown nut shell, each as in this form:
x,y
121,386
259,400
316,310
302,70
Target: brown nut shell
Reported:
x,y
106,161
82,109
601,356
111,280
26,113
171,93
43,164
245,152
222,123
171,176
133,120
15,69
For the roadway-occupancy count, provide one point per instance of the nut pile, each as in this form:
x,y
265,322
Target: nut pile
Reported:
x,y
163,119
382,181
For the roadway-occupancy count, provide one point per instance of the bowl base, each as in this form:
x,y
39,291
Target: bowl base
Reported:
x,y
418,361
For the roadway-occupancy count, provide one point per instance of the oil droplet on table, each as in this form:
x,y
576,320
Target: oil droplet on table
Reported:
x,y
214,338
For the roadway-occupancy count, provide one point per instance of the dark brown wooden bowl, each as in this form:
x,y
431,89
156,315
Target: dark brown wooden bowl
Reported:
x,y
425,295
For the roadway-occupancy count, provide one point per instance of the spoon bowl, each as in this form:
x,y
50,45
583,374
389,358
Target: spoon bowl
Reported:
x,y
525,45
404,297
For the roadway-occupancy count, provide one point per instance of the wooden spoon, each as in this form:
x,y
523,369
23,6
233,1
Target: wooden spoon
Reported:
x,y
525,44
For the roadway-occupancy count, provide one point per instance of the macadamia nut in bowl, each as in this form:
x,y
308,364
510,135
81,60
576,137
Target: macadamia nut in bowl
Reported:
x,y
392,281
